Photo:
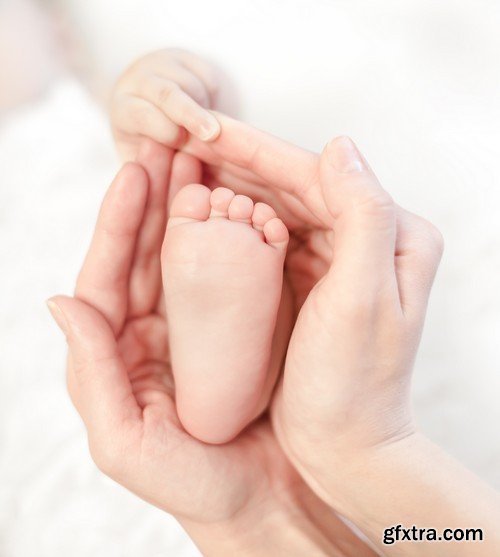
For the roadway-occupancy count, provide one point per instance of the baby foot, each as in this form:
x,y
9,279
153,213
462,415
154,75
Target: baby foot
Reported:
x,y
222,265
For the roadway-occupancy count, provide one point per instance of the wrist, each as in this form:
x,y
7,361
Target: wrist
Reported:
x,y
341,480
293,524
411,481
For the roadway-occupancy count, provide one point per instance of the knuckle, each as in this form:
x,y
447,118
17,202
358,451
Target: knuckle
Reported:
x,y
435,238
187,115
431,239
166,92
374,203
172,135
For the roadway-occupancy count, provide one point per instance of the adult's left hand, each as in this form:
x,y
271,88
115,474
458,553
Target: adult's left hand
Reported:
x,y
240,498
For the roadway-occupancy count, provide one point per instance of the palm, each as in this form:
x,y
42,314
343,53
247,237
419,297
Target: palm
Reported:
x,y
195,475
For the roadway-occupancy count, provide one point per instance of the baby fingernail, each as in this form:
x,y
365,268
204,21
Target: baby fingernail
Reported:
x,y
209,129
58,316
344,155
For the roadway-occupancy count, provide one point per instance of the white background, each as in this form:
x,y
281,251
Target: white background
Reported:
x,y
415,83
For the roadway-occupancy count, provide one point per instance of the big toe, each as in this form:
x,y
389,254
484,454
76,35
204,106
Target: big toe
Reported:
x,y
192,202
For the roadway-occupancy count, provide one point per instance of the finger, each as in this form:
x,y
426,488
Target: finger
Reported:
x,y
207,152
135,116
203,70
188,81
365,221
185,170
180,107
193,74
100,387
419,248
273,160
145,276
283,166
104,278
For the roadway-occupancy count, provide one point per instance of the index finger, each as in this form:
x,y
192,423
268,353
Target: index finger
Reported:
x,y
274,160
178,105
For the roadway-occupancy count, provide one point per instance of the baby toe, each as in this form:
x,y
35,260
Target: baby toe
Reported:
x,y
192,202
261,214
276,233
241,209
220,199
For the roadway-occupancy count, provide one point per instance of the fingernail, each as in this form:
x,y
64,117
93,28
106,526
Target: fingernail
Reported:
x,y
209,129
344,155
58,316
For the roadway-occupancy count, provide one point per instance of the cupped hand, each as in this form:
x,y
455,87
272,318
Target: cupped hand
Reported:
x,y
342,412
361,269
120,381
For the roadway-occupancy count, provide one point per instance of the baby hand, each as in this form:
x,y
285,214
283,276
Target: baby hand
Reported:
x,y
161,96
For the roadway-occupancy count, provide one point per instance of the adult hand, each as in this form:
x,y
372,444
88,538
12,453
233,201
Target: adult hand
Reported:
x,y
342,414
237,499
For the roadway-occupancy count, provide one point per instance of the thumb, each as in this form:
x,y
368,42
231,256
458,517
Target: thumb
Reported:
x,y
97,378
364,218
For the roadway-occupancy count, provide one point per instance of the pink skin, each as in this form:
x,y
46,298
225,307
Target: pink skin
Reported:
x,y
358,478
239,498
163,95
222,265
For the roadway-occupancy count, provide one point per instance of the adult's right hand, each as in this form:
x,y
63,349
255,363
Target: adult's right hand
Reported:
x,y
361,269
